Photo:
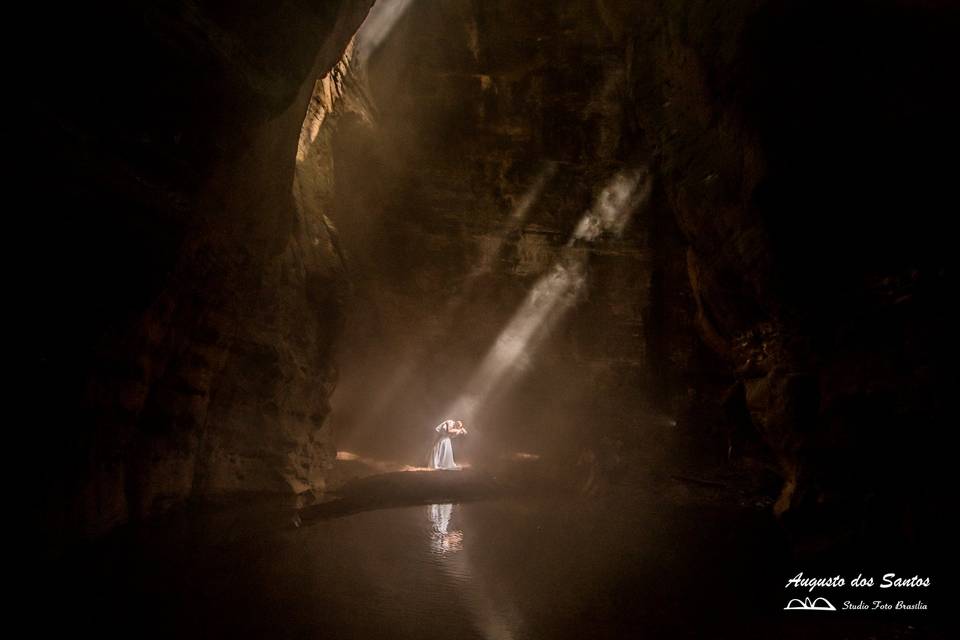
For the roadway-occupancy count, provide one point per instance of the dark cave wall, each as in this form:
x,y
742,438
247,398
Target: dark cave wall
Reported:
x,y
183,315
806,149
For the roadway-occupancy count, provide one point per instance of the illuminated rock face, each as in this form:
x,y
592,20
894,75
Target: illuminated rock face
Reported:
x,y
187,308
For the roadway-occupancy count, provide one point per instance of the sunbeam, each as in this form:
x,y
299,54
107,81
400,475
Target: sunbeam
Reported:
x,y
393,384
381,20
553,295
491,252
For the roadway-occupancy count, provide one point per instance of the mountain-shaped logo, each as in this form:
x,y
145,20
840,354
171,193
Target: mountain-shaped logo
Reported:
x,y
819,604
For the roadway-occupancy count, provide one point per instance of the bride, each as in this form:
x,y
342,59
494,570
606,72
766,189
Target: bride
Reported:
x,y
441,457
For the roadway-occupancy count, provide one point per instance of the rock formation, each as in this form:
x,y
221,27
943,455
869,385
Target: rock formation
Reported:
x,y
805,151
186,310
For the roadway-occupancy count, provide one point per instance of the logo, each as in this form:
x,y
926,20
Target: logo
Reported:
x,y
818,604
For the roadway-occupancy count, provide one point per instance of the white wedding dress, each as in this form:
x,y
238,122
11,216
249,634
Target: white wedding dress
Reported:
x,y
441,457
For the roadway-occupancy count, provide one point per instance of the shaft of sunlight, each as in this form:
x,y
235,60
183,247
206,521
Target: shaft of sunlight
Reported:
x,y
381,20
408,366
554,294
492,251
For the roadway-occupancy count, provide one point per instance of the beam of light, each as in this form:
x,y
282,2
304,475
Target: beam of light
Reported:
x,y
544,306
381,20
391,387
492,251
553,295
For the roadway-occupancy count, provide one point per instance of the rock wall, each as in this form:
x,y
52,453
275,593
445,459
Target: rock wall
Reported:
x,y
805,149
184,310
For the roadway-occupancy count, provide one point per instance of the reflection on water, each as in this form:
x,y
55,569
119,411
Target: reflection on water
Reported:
x,y
495,620
499,569
442,540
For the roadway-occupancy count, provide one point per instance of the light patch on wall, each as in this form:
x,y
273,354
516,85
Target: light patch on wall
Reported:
x,y
614,206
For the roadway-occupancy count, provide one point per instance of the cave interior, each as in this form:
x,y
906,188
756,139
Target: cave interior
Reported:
x,y
681,267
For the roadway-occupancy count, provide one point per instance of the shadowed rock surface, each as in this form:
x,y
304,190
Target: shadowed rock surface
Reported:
x,y
183,317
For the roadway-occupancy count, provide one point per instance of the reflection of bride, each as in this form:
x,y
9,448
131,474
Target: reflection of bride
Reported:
x,y
443,540
441,457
